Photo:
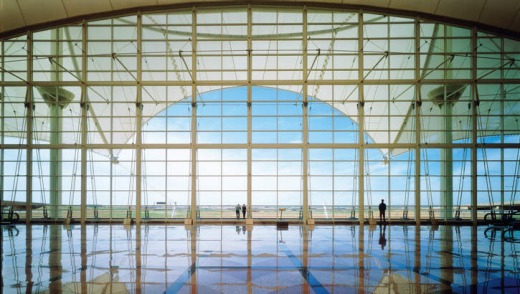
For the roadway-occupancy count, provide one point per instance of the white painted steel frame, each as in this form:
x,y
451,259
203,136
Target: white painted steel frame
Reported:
x,y
304,146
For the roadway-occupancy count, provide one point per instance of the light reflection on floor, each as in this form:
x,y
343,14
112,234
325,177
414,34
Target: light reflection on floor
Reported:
x,y
256,259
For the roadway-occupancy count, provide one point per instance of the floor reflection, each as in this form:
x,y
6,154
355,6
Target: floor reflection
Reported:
x,y
257,259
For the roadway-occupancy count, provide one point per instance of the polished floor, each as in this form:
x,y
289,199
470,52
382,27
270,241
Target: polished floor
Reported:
x,y
258,259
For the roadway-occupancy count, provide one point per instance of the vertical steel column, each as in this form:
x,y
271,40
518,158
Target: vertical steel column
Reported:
x,y
361,131
418,105
194,191
447,140
55,110
447,158
55,160
29,106
389,163
139,122
474,114
502,127
305,128
417,161
113,159
84,124
249,114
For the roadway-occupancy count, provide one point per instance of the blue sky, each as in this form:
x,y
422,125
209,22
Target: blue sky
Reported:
x,y
277,118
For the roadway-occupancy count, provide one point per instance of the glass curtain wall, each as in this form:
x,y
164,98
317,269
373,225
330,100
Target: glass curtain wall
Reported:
x,y
313,113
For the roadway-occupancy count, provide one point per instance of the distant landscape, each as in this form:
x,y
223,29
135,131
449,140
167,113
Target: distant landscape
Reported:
x,y
259,212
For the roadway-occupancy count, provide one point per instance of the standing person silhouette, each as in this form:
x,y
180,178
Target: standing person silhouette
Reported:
x,y
382,211
244,209
237,210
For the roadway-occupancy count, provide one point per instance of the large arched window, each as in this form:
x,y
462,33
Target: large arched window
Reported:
x,y
186,113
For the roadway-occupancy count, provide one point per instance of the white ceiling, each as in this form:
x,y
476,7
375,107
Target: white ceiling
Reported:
x,y
498,16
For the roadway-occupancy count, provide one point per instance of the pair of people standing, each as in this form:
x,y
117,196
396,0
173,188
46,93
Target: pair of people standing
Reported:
x,y
238,209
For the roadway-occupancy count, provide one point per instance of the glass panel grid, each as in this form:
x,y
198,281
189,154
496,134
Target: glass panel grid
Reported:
x,y
266,96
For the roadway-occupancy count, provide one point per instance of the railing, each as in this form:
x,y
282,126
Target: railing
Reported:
x,y
171,212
